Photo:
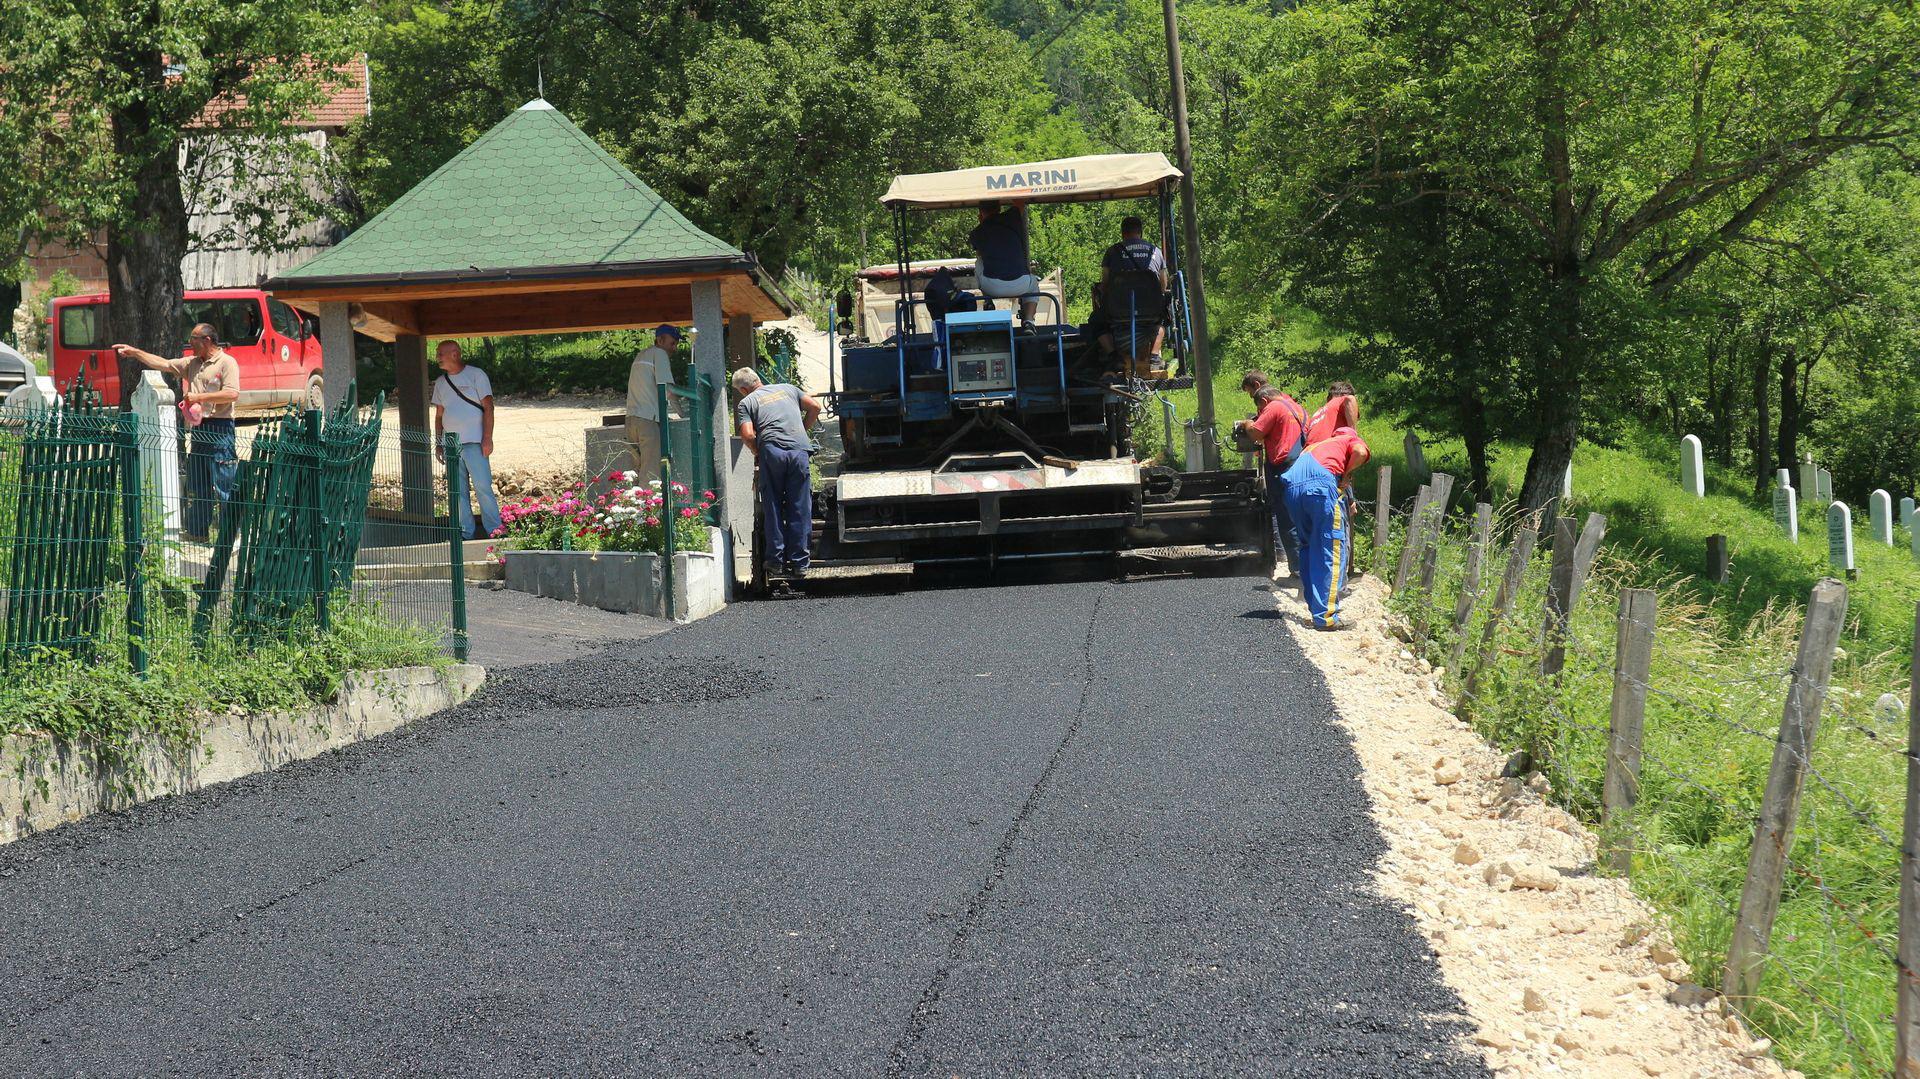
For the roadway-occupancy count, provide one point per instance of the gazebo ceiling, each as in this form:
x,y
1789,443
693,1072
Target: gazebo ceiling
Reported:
x,y
534,228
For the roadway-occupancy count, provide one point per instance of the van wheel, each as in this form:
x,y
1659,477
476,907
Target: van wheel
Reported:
x,y
316,393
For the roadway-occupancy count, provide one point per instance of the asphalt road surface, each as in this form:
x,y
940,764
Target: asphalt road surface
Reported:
x,y
1083,828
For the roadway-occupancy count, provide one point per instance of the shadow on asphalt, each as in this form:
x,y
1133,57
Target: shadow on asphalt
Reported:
x,y
894,580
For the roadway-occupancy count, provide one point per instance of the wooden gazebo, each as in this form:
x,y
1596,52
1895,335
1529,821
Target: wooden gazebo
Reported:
x,y
534,228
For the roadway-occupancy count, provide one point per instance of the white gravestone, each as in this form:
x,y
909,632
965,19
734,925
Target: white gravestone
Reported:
x,y
1566,483
1786,512
1809,476
159,460
1906,513
1692,475
1416,456
1880,516
1840,536
1913,539
1823,486
34,394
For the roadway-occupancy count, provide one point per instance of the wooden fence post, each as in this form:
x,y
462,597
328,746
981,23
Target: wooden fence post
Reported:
x,y
1780,805
1382,515
1907,1023
1470,581
1632,662
1553,626
1416,518
1516,571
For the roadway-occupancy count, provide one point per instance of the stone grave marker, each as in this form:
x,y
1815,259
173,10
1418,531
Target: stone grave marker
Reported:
x,y
1693,477
1416,457
1823,486
1809,476
1566,483
1906,513
1786,512
1840,536
1880,516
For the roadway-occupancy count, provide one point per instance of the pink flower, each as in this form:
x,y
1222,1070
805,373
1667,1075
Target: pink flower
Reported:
x,y
688,512
708,495
653,522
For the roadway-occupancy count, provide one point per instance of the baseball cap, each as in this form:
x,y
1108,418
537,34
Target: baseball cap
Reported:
x,y
667,327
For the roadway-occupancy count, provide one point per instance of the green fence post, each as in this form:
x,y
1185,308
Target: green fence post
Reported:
x,y
667,536
316,489
134,540
457,566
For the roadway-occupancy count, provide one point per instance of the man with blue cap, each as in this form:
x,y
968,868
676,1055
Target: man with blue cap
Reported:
x,y
652,366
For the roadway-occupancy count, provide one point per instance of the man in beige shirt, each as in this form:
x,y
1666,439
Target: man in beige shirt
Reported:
x,y
652,368
210,384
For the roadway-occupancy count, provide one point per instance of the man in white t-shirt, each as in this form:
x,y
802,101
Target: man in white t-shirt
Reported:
x,y
652,367
463,404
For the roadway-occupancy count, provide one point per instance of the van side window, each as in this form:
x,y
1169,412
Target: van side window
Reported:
x,y
80,326
286,321
235,322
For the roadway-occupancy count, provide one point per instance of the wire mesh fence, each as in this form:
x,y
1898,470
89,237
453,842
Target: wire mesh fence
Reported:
x,y
1760,801
128,537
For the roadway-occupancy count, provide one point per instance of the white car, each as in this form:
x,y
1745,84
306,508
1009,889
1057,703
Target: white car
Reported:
x,y
15,371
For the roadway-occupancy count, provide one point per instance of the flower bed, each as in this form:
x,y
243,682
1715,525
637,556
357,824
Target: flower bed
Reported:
x,y
627,517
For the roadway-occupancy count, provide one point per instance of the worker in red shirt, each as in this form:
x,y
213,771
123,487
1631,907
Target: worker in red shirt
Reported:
x,y
1312,499
1341,410
1343,454
1280,427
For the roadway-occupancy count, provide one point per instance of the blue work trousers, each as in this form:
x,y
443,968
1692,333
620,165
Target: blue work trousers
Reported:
x,y
786,499
1286,537
479,476
1313,499
211,467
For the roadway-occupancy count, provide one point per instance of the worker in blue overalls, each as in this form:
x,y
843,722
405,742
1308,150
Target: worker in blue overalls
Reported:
x,y
1312,498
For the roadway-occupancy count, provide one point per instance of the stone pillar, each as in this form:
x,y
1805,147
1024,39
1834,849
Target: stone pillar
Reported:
x,y
153,402
740,350
411,373
338,367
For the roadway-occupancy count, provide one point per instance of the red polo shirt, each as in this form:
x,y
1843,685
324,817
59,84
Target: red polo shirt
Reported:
x,y
1338,412
1343,453
1278,427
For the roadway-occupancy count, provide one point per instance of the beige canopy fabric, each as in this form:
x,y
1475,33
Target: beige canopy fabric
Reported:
x,y
1068,179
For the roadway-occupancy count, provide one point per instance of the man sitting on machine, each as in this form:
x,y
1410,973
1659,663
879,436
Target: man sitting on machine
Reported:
x,y
1003,268
1132,300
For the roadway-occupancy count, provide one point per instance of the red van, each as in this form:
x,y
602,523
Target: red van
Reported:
x,y
277,348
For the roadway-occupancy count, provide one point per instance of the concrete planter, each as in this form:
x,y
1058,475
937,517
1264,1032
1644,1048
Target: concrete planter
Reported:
x,y
624,581
44,784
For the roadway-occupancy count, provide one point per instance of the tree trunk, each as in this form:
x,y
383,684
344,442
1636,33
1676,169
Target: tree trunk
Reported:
x,y
1788,442
1557,387
1762,407
1473,429
146,245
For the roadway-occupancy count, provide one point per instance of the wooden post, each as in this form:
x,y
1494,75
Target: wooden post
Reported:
x,y
1719,563
1523,542
1382,514
1632,662
1907,1023
1780,805
1470,581
1553,626
1584,551
1416,517
1442,496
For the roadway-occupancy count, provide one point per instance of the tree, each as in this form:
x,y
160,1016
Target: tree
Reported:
x,y
1627,145
103,101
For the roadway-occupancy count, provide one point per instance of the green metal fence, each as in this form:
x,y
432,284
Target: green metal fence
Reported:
x,y
687,439
327,516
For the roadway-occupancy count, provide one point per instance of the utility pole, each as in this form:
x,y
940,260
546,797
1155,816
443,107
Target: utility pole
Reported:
x,y
1196,291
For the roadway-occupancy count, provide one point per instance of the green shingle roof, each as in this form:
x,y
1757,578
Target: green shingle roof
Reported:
x,y
534,192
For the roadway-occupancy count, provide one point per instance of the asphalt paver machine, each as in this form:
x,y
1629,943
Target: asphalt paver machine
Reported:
x,y
975,437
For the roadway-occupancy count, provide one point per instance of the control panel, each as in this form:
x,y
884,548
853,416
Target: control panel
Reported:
x,y
980,347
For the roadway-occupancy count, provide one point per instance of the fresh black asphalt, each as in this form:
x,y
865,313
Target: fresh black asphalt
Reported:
x,y
1082,828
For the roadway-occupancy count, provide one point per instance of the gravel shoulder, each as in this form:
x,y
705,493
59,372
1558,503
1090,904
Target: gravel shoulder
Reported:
x,y
1562,971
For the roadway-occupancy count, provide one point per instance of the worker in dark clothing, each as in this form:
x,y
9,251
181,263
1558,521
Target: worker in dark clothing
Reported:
x,y
1004,268
1280,427
1135,253
773,425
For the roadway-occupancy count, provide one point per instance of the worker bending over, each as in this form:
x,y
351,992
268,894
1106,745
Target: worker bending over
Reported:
x,y
1341,410
774,421
1279,445
1343,454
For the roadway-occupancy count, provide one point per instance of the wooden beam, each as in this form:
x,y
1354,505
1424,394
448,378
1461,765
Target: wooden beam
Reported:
x,y
739,295
441,290
564,312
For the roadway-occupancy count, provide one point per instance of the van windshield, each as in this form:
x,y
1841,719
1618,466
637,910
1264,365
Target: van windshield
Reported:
x,y
235,322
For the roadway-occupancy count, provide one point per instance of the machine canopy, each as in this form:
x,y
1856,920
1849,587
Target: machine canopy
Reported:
x,y
1068,179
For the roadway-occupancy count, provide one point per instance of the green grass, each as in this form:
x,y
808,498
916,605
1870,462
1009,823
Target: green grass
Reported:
x,y
1721,658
